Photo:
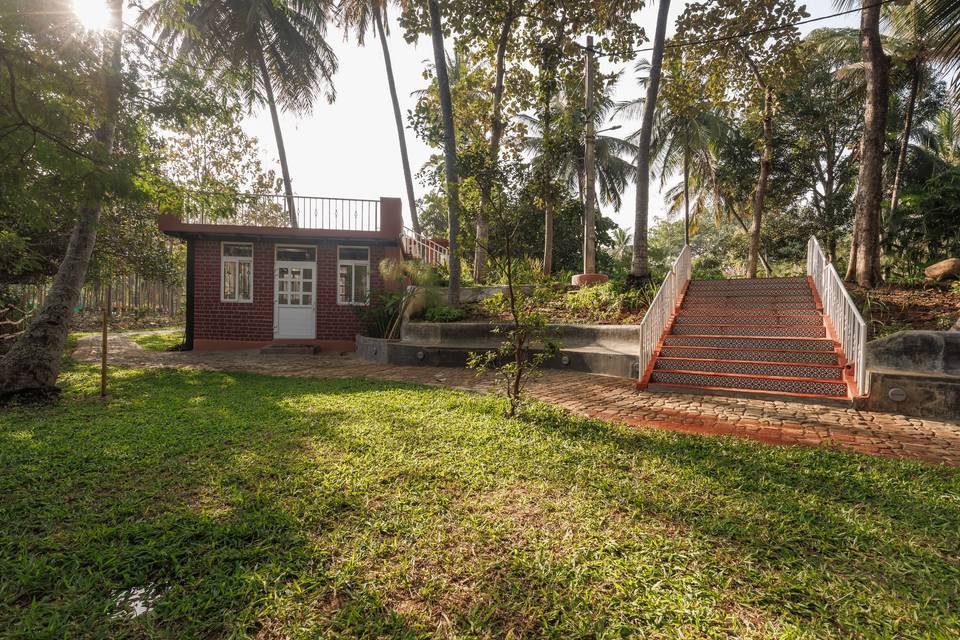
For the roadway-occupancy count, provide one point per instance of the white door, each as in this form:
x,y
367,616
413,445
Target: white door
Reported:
x,y
295,299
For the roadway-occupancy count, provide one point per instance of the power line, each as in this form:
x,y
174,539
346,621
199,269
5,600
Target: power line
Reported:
x,y
742,34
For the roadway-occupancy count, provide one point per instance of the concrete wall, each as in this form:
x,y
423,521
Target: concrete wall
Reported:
x,y
915,373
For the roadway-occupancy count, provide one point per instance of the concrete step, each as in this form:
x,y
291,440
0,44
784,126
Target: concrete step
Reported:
x,y
749,330
753,355
777,384
788,369
741,342
290,349
812,318
599,359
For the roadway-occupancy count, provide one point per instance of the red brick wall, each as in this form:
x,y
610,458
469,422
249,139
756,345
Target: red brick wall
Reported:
x,y
215,320
334,321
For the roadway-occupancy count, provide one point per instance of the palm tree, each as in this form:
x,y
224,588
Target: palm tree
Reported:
x,y
275,49
685,135
940,141
640,266
358,14
566,162
622,247
864,264
943,33
449,151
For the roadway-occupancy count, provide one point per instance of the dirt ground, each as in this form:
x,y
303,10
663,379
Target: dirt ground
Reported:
x,y
893,308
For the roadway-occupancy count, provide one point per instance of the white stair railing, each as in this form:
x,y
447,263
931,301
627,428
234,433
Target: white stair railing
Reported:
x,y
838,306
663,307
419,247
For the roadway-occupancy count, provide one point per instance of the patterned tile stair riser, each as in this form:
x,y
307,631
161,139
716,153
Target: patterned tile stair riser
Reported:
x,y
751,330
758,336
773,320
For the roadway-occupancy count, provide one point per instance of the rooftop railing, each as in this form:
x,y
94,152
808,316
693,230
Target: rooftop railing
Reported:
x,y
272,210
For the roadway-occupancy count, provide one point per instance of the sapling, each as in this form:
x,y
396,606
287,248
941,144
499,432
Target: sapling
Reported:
x,y
527,340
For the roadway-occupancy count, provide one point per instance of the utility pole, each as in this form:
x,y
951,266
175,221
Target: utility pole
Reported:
x,y
589,225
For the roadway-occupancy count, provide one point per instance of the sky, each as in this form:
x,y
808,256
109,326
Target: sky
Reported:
x,y
349,148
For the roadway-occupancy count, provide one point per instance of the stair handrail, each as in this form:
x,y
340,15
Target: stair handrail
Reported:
x,y
422,248
838,306
663,307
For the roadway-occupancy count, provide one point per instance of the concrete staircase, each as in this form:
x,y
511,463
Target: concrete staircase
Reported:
x,y
758,337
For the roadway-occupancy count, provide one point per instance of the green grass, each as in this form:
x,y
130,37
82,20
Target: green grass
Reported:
x,y
159,341
285,507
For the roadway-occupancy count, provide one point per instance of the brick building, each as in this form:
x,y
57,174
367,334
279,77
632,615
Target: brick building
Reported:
x,y
250,286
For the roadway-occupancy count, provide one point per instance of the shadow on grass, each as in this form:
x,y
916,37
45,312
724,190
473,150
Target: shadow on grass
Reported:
x,y
252,501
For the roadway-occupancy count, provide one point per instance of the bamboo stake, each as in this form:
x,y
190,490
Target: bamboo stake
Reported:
x,y
103,346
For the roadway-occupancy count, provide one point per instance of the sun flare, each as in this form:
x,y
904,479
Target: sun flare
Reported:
x,y
94,15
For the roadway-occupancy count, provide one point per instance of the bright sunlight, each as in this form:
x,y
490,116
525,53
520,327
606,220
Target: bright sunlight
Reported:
x,y
93,14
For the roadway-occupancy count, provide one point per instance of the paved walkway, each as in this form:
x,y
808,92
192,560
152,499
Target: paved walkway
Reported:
x,y
608,398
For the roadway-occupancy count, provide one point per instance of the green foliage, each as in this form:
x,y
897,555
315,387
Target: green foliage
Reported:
x,y
926,227
443,313
526,270
610,300
377,318
527,344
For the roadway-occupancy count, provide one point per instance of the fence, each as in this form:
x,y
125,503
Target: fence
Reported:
x,y
130,294
271,210
663,307
847,322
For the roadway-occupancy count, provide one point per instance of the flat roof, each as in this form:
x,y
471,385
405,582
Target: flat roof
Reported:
x,y
172,226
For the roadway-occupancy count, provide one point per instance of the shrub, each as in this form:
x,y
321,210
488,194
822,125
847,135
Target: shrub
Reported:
x,y
608,301
377,317
443,313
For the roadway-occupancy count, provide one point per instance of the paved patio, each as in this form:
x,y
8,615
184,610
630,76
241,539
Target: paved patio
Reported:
x,y
607,398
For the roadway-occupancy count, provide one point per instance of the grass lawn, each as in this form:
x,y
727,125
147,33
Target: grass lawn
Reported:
x,y
158,341
267,507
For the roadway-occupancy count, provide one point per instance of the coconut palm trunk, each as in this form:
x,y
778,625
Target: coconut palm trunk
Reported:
x,y
865,252
493,150
398,118
759,196
905,136
640,265
449,152
278,134
33,362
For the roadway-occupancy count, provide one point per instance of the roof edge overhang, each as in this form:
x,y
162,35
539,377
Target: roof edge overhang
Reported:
x,y
172,226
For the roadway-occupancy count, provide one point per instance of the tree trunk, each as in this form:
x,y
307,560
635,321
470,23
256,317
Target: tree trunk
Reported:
x,y
865,258
398,118
281,150
589,169
548,236
905,136
766,157
493,150
640,265
546,186
33,362
449,152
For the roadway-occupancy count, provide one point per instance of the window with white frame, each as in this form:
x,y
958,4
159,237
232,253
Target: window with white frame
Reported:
x,y
353,275
236,272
